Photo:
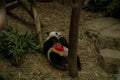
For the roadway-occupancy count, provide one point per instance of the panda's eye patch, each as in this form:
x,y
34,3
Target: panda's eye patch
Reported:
x,y
56,33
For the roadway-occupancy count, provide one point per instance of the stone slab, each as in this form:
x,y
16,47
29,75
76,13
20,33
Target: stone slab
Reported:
x,y
101,23
111,60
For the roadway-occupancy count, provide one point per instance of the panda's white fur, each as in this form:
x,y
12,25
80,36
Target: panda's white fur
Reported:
x,y
54,33
65,51
48,54
59,36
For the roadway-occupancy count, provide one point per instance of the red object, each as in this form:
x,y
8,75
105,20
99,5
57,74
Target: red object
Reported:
x,y
59,74
58,47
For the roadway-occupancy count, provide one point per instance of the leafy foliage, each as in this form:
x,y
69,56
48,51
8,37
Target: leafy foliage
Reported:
x,y
110,7
113,8
14,45
95,5
3,76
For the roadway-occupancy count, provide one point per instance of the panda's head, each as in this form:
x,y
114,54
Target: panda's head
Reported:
x,y
54,34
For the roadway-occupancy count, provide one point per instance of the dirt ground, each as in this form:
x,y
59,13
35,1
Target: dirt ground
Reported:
x,y
54,17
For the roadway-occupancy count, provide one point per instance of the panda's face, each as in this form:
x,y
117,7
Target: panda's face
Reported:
x,y
54,34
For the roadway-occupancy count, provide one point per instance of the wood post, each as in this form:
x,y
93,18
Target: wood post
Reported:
x,y
73,37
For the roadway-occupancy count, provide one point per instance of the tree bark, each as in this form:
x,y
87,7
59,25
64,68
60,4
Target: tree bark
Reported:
x,y
37,22
26,6
3,17
73,37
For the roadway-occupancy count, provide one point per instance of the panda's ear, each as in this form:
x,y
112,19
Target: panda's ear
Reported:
x,y
47,33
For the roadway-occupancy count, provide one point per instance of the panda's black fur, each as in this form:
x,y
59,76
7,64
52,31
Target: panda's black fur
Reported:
x,y
63,41
55,58
49,43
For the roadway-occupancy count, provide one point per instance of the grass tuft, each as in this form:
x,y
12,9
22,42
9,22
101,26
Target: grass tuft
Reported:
x,y
15,45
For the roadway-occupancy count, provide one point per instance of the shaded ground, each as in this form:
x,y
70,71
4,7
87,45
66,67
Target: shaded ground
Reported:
x,y
36,67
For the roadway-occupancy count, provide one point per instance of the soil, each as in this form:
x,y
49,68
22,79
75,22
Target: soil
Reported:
x,y
54,17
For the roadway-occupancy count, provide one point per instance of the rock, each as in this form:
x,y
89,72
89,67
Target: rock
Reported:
x,y
105,32
118,75
111,60
109,38
100,24
113,55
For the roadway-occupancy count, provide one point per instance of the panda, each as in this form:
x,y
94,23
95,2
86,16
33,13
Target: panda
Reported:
x,y
56,48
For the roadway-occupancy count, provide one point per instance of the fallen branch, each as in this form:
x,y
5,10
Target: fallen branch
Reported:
x,y
37,23
12,5
26,6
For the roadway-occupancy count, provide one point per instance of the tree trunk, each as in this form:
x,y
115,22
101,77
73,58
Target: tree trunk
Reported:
x,y
37,22
73,37
3,17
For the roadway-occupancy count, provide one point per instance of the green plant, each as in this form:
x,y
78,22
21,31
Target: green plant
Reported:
x,y
110,7
95,5
15,45
113,9
3,76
